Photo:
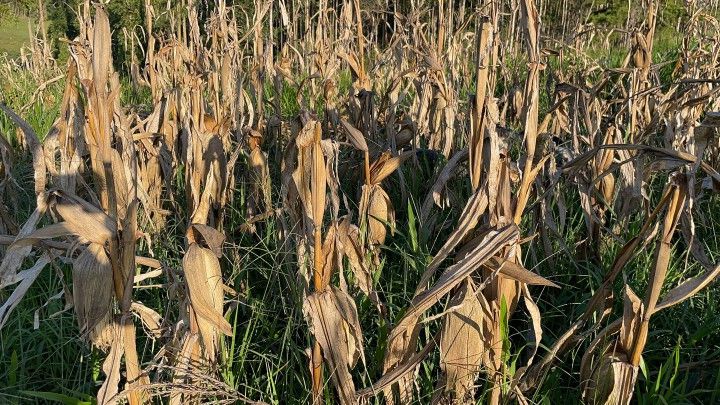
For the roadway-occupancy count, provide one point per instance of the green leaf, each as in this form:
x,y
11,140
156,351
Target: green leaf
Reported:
x,y
643,368
675,358
412,227
55,397
504,332
12,370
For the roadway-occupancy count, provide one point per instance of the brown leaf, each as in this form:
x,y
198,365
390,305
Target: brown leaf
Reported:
x,y
332,316
517,272
612,381
318,178
350,247
688,288
379,207
149,317
434,195
399,372
102,53
47,232
329,254
204,281
26,278
474,209
14,256
84,219
93,293
111,368
38,158
455,274
462,344
354,136
207,236
386,165
632,316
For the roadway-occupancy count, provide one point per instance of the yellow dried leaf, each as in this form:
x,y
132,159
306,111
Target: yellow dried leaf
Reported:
x,y
612,381
205,287
378,208
84,219
92,294
333,319
355,136
318,178
462,344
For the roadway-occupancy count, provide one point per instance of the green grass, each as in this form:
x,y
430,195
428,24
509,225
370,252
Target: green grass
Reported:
x,y
13,34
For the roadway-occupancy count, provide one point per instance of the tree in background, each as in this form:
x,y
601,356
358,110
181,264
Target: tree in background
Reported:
x,y
10,8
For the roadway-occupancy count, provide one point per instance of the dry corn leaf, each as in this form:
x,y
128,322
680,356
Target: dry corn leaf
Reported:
x,y
354,136
435,193
86,220
14,256
149,317
47,232
590,355
333,319
688,288
127,241
632,316
536,322
111,367
204,282
385,165
38,158
455,274
202,211
102,53
535,373
120,183
379,213
399,373
26,278
261,179
474,209
462,344
401,344
318,177
329,254
348,235
517,272
662,260
80,218
612,381
93,293
208,236
331,149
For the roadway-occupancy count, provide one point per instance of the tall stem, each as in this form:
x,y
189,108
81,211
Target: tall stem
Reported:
x,y
317,361
367,168
657,277
318,205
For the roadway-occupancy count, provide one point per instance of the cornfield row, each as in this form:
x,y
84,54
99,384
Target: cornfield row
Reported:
x,y
516,129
